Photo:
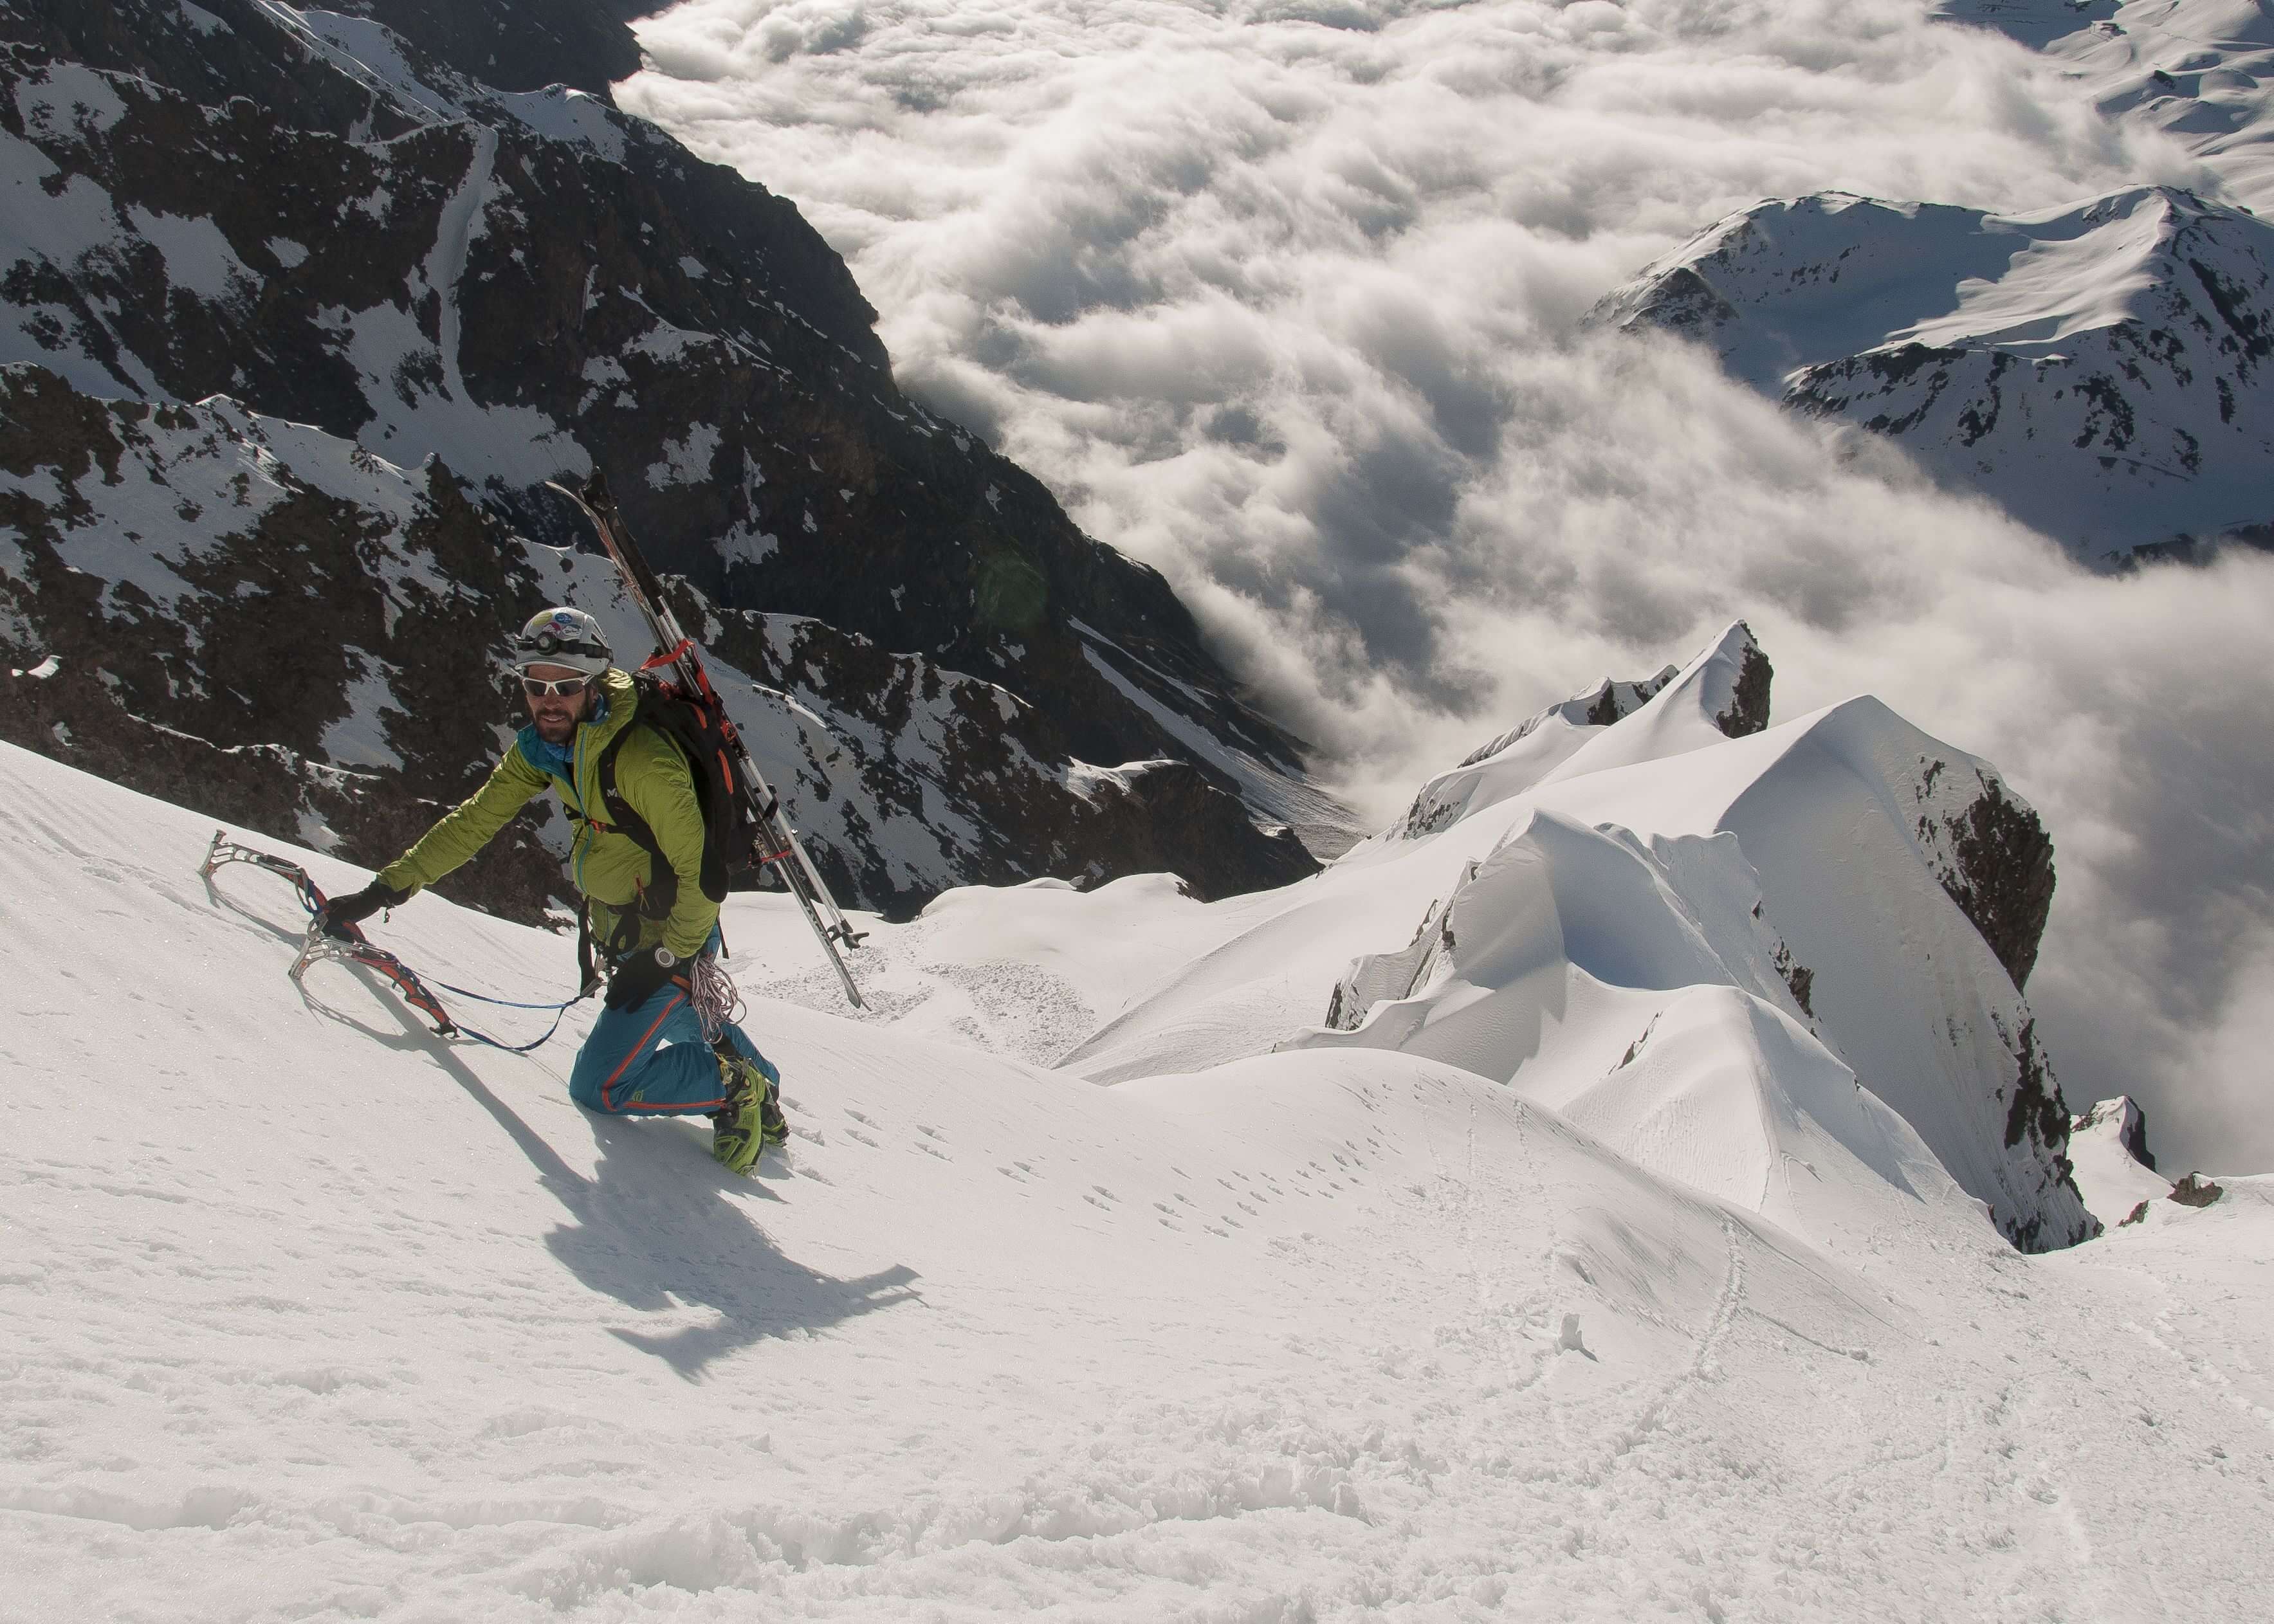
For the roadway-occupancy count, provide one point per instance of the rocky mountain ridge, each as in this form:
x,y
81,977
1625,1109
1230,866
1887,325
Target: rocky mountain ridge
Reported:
x,y
296,299
2105,372
2104,369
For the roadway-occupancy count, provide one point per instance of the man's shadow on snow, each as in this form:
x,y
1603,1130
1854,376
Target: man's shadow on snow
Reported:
x,y
655,1228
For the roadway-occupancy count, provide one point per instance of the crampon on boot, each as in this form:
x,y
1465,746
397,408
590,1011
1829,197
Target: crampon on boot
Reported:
x,y
752,1118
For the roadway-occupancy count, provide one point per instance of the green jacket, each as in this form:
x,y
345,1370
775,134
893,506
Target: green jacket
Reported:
x,y
612,872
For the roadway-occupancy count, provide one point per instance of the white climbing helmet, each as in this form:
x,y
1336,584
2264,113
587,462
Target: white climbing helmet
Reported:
x,y
563,636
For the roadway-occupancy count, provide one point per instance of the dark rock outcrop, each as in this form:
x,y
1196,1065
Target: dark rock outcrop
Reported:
x,y
2003,876
444,271
2196,1191
1748,707
583,44
255,620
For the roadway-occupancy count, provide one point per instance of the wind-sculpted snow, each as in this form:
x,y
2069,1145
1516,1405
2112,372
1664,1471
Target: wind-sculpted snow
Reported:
x,y
2105,372
310,1312
1729,686
1821,868
1499,769
1553,948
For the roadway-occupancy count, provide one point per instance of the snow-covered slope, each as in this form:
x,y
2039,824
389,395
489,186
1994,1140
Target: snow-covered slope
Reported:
x,y
2105,371
2194,70
303,1312
1856,874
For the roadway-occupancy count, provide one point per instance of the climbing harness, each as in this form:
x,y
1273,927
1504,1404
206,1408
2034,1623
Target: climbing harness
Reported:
x,y
357,948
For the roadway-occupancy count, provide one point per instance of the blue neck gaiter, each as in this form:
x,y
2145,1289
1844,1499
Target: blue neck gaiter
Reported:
x,y
546,756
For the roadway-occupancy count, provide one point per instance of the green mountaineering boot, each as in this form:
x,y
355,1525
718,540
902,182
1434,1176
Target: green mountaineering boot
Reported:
x,y
752,1119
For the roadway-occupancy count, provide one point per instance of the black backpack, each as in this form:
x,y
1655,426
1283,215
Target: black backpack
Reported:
x,y
697,722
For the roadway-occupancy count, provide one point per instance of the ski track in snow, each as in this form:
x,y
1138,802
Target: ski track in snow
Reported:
x,y
312,1316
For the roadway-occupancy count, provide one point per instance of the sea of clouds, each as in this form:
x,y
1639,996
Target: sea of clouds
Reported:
x,y
1284,297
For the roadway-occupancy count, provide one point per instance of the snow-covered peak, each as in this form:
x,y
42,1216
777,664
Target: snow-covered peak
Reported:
x,y
1726,686
1722,693
2122,1121
2103,368
1793,283
2115,1171
1847,870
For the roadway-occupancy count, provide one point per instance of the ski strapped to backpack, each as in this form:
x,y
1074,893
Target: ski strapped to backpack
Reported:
x,y
743,821
358,949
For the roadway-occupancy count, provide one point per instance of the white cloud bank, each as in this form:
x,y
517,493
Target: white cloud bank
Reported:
x,y
1283,297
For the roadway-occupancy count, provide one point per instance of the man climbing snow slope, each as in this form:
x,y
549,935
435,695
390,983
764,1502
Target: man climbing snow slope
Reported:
x,y
649,1053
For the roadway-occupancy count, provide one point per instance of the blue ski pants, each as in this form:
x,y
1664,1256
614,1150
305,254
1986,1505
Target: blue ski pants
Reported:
x,y
651,1060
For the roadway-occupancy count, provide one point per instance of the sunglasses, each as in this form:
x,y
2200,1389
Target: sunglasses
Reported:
x,y
567,688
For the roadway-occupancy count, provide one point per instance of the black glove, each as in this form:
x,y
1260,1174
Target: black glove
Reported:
x,y
356,906
635,979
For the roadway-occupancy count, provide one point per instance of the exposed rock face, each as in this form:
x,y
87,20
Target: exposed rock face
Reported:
x,y
204,576
337,226
2106,372
581,43
1748,706
212,616
2004,877
1991,852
